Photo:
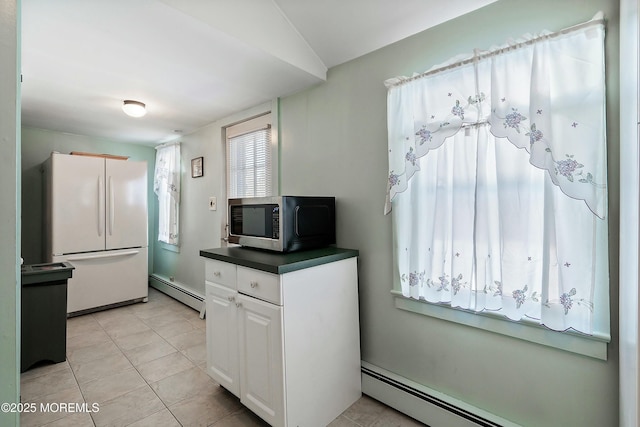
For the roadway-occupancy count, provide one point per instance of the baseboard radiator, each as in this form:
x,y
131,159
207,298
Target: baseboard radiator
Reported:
x,y
178,291
426,405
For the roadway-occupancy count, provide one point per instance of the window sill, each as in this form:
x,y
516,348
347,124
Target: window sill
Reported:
x,y
586,345
168,247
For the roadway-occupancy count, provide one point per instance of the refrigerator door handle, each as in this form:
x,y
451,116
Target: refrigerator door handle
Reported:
x,y
101,212
111,206
102,255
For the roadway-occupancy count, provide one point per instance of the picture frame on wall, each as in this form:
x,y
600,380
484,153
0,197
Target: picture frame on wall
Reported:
x,y
197,167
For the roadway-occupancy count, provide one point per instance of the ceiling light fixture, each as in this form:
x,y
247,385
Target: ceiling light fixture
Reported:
x,y
134,108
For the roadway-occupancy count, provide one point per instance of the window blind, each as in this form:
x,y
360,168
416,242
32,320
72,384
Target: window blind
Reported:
x,y
249,163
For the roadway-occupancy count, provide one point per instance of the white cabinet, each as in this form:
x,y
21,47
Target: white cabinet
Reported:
x,y
222,329
286,344
261,362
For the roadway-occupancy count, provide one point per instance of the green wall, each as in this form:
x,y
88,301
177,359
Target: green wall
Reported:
x,y
333,141
201,228
37,146
10,207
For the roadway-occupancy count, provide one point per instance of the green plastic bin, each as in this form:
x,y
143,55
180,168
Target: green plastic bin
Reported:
x,y
43,334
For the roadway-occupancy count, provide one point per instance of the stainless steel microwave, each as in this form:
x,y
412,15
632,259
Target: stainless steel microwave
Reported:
x,y
283,223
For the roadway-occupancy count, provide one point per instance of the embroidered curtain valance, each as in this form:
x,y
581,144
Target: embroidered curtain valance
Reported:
x,y
545,94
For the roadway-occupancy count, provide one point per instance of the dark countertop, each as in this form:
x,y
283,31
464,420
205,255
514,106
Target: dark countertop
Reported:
x,y
276,262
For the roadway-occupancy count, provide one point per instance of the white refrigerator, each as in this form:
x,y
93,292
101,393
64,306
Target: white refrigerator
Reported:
x,y
96,219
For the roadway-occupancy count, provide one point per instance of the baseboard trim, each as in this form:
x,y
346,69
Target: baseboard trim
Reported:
x,y
177,291
426,405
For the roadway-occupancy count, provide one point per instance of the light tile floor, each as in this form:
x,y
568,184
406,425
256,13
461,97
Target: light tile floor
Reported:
x,y
145,365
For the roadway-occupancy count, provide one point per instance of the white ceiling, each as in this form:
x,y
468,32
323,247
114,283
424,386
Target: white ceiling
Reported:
x,y
194,61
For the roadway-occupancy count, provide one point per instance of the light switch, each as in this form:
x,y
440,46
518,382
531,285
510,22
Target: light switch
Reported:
x,y
213,204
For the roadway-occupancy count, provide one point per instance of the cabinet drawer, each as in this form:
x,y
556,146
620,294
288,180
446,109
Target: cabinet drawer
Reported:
x,y
220,272
260,284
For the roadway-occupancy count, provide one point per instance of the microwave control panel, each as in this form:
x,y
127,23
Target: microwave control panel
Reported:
x,y
275,222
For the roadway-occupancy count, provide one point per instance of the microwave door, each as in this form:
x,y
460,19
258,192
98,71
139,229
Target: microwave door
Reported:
x,y
255,221
255,225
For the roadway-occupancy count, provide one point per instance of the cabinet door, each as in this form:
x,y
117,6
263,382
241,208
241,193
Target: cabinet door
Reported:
x,y
222,336
126,204
261,358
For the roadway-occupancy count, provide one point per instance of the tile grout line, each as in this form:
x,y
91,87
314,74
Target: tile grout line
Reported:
x,y
132,365
195,365
103,326
73,372
181,314
138,371
145,380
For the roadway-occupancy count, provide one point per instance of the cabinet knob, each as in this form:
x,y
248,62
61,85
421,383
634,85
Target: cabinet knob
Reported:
x,y
238,304
217,273
231,298
254,284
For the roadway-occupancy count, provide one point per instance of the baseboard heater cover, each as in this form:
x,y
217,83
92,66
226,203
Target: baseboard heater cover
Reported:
x,y
430,407
177,291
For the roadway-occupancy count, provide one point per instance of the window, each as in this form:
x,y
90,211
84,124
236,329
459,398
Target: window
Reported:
x,y
166,185
497,179
249,158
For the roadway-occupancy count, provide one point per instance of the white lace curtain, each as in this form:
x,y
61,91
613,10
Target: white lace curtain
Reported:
x,y
497,178
166,185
